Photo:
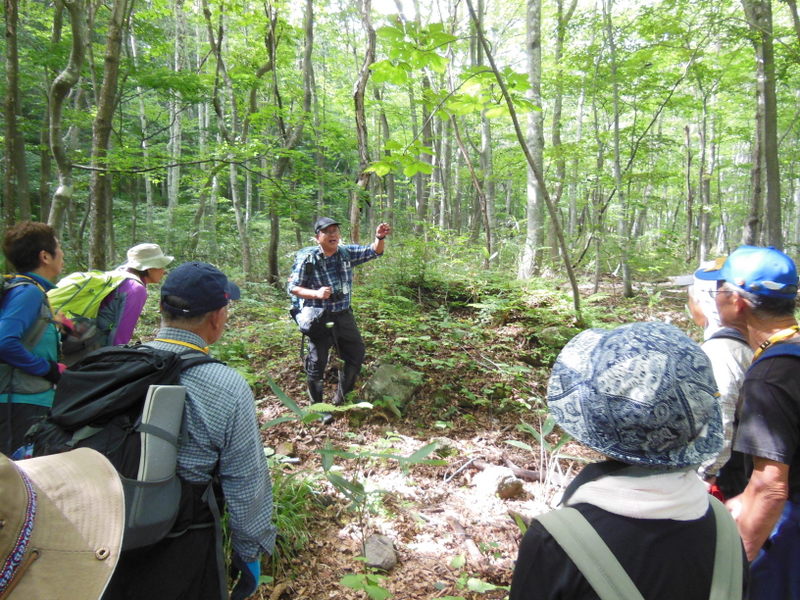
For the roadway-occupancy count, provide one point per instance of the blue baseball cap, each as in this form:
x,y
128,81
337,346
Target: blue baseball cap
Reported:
x,y
764,271
202,286
643,394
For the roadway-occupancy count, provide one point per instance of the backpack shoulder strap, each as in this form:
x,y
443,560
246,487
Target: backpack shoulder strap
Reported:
x,y
727,581
194,358
590,554
34,333
729,333
787,348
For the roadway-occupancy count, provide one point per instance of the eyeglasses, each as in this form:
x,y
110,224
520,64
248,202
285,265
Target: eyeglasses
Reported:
x,y
713,293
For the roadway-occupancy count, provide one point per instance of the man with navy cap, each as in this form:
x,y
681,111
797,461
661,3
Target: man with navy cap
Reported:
x,y
321,283
222,443
756,293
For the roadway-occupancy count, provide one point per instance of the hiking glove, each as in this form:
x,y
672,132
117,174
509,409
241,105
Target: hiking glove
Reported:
x,y
54,373
250,573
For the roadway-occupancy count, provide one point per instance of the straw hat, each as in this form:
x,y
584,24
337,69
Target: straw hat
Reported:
x,y
147,256
61,523
642,394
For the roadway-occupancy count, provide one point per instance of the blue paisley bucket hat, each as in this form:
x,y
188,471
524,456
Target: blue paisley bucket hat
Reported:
x,y
643,394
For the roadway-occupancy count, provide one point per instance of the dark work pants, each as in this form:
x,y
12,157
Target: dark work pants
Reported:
x,y
181,568
348,339
15,420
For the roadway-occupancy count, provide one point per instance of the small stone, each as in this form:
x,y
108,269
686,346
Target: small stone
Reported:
x,y
379,552
509,487
285,449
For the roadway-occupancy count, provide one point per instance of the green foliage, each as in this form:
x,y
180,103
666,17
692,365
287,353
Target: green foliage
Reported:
x,y
293,494
369,583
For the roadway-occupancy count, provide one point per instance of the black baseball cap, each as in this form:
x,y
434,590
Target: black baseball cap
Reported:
x,y
200,285
324,222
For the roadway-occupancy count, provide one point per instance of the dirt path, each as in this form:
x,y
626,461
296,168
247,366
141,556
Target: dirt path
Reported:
x,y
454,536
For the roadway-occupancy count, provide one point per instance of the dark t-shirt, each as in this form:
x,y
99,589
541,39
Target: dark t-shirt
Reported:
x,y
769,424
665,558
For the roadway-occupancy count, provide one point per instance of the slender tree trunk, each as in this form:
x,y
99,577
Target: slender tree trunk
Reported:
x,y
688,179
704,186
751,232
529,261
16,195
359,90
143,143
175,143
627,287
388,179
759,15
291,137
576,299
99,187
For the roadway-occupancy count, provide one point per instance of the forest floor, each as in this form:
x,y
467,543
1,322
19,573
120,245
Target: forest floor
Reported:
x,y
485,359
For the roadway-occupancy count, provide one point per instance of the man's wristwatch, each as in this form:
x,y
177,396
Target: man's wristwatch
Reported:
x,y
377,237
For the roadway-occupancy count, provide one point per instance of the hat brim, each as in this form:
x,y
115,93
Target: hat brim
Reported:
x,y
319,228
78,526
233,291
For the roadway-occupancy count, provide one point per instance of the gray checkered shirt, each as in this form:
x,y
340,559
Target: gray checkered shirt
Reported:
x,y
223,438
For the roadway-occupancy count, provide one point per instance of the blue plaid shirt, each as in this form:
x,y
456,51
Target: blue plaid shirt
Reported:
x,y
335,271
223,438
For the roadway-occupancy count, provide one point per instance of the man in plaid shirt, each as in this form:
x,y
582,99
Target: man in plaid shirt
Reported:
x,y
322,279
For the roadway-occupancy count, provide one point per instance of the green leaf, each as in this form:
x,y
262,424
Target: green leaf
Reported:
x,y
458,561
377,592
480,586
420,454
497,111
354,582
380,168
285,400
521,445
352,489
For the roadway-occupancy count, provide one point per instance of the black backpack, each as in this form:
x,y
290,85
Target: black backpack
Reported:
x,y
99,404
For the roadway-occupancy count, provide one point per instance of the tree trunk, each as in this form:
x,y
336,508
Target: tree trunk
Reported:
x,y
359,89
759,15
627,287
16,195
143,144
576,299
62,197
175,143
751,232
529,261
291,137
99,186
688,179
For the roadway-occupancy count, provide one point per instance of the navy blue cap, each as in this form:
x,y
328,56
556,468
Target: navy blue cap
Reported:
x,y
202,286
324,222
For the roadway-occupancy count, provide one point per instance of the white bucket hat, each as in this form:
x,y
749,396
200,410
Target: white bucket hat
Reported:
x,y
61,523
147,256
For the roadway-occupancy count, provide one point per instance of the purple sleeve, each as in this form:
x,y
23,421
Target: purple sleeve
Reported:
x,y
131,296
21,308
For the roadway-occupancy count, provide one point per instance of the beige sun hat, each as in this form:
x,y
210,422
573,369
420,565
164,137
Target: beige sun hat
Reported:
x,y
61,523
147,256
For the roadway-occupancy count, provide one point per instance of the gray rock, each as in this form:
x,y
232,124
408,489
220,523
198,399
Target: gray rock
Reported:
x,y
393,386
509,487
379,552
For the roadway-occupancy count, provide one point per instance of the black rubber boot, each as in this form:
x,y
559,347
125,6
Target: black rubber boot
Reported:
x,y
347,381
315,391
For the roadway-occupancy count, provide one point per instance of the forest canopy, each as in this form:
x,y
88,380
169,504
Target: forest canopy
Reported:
x,y
601,135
